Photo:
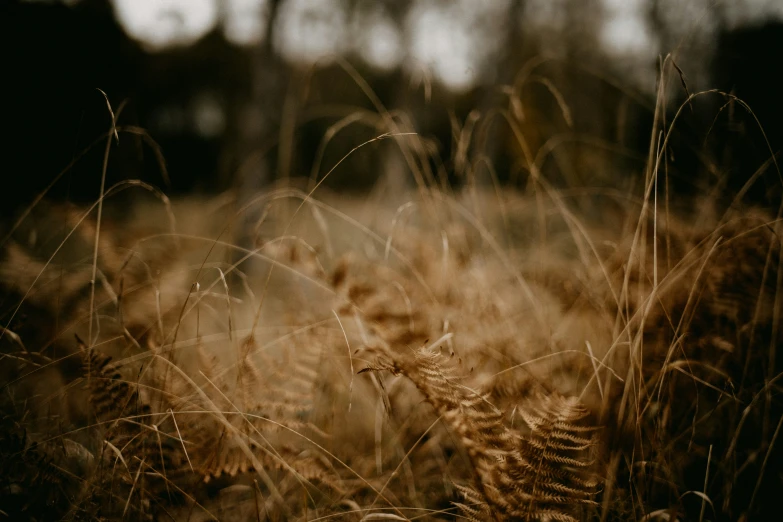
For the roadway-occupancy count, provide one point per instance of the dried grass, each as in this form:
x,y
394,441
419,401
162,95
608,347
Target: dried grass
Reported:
x,y
487,354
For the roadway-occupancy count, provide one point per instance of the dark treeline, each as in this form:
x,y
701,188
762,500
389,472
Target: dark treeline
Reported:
x,y
56,57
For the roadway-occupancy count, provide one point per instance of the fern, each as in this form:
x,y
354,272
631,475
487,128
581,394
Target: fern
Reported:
x,y
541,475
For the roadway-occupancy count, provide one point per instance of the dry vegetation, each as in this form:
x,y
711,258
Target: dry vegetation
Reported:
x,y
483,354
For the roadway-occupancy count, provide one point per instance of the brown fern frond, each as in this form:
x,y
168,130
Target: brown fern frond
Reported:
x,y
112,398
540,475
548,474
136,459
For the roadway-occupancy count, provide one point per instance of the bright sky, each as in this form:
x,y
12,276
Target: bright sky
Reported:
x,y
451,39
377,38
454,39
311,29
161,23
625,28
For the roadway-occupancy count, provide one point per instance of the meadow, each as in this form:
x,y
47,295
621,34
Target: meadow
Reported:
x,y
487,351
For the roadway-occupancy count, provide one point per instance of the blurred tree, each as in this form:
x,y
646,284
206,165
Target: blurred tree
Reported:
x,y
236,106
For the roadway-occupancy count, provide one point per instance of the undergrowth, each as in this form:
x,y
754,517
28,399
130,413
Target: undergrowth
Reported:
x,y
480,354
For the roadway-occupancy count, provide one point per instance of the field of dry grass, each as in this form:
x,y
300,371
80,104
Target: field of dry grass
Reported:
x,y
484,353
